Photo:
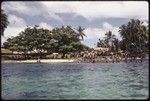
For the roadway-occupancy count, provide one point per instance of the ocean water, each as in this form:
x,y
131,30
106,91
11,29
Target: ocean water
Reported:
x,y
75,81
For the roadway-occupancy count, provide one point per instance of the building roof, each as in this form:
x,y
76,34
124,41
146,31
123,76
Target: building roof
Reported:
x,y
6,51
101,49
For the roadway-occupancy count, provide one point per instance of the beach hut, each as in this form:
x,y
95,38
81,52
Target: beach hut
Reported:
x,y
6,51
101,49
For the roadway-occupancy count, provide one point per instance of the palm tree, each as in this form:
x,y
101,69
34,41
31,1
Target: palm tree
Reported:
x,y
116,44
109,39
101,43
135,36
80,32
4,22
142,37
126,38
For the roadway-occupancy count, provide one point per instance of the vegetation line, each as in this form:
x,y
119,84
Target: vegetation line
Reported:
x,y
65,42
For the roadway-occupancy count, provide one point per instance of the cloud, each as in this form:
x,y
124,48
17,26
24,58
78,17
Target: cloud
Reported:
x,y
93,34
30,9
11,31
51,15
97,33
101,9
15,26
90,10
15,21
107,26
45,25
21,8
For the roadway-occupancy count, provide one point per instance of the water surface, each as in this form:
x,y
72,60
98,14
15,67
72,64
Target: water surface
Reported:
x,y
75,81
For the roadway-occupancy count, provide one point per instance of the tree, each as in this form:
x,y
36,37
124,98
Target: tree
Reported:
x,y
4,22
101,43
116,45
68,41
134,36
31,39
80,32
62,40
109,39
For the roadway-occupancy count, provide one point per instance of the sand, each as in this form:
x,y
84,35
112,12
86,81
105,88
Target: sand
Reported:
x,y
42,61
57,60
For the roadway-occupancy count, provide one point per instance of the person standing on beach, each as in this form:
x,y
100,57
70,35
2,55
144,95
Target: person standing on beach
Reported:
x,y
38,60
125,56
113,57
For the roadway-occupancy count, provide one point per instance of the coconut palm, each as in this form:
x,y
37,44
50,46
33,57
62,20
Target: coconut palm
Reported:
x,y
101,43
142,37
80,32
116,44
4,22
134,35
109,39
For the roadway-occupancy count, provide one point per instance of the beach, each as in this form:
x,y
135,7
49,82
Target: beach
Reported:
x,y
97,60
42,61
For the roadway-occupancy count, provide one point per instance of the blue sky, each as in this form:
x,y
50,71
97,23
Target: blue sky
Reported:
x,y
97,17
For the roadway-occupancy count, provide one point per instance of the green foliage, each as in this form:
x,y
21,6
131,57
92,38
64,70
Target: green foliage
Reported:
x,y
67,39
101,43
109,38
134,36
29,40
80,33
61,40
4,22
109,41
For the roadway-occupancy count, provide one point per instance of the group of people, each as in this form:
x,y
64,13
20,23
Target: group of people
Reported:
x,y
99,56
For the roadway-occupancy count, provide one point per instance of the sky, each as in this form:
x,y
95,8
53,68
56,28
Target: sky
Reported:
x,y
97,17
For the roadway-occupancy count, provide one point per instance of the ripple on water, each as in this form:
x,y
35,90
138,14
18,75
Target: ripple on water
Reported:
x,y
75,81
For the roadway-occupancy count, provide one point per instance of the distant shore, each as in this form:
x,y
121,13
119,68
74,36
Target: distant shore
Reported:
x,y
41,61
66,61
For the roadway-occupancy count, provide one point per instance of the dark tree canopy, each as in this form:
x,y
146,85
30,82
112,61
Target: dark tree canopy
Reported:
x,y
39,40
4,22
134,36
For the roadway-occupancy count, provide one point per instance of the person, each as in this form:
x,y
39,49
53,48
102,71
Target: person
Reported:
x,y
113,58
142,57
38,60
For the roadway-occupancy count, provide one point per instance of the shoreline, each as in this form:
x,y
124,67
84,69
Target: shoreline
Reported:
x,y
64,61
41,61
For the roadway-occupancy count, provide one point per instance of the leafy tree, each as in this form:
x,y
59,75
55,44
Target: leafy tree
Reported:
x,y
77,46
4,22
31,39
67,39
61,40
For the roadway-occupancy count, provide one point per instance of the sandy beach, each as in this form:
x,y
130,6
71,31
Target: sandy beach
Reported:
x,y
100,60
42,61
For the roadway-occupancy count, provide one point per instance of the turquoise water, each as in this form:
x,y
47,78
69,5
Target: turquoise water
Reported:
x,y
75,81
